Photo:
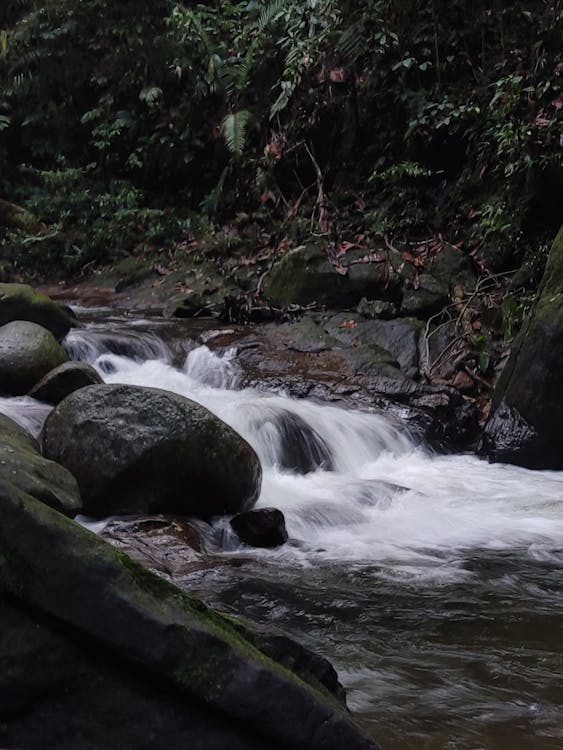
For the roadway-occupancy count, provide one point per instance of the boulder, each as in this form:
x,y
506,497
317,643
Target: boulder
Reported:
x,y
99,653
23,466
21,302
64,380
261,527
525,426
143,450
27,353
305,275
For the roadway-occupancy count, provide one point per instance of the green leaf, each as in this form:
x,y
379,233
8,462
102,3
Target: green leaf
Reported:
x,y
234,131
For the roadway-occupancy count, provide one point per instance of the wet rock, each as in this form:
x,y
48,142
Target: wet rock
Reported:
x,y
27,353
23,466
21,302
525,426
427,299
261,527
376,308
98,652
64,380
171,546
389,342
297,446
139,450
305,275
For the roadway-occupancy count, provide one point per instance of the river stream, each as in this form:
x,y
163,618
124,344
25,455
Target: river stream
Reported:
x,y
432,583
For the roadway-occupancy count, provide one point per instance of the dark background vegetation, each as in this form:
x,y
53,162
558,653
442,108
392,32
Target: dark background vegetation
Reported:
x,y
135,124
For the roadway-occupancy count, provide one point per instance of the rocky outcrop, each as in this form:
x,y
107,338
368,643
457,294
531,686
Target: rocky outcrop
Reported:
x,y
340,358
21,302
306,274
27,353
525,426
138,450
97,652
261,527
64,380
22,465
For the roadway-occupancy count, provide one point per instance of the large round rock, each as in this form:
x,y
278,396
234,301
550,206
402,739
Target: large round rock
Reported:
x,y
27,353
143,450
21,302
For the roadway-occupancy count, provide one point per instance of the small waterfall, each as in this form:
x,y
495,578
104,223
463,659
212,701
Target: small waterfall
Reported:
x,y
88,345
352,484
27,412
211,369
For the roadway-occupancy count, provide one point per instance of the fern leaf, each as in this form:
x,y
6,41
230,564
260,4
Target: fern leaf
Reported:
x,y
270,13
234,131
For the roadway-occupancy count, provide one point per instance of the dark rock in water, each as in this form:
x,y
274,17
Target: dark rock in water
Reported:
x,y
301,448
22,465
143,450
27,353
99,653
64,380
525,426
261,527
21,302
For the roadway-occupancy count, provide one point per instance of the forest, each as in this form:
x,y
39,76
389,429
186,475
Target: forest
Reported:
x,y
134,126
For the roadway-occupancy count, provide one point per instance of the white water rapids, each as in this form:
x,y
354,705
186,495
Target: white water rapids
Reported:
x,y
432,582
385,500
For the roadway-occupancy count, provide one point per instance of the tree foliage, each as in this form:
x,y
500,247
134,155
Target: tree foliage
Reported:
x,y
418,116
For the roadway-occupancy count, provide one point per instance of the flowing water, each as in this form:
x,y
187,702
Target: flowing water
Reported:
x,y
432,583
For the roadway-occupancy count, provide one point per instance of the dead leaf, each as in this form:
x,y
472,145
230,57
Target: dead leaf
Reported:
x,y
348,324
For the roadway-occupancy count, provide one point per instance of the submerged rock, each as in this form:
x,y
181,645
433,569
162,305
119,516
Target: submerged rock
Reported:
x,y
296,445
22,465
525,426
143,450
64,380
27,353
261,527
21,302
98,653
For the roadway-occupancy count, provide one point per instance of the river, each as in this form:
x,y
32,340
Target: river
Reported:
x,y
432,583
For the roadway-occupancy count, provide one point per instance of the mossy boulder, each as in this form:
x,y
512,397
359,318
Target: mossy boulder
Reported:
x,y
143,450
305,275
22,465
97,652
525,427
64,380
21,302
27,353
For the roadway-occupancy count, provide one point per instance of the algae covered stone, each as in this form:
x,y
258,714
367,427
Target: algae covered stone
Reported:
x,y
22,302
525,427
27,353
22,465
96,635
137,450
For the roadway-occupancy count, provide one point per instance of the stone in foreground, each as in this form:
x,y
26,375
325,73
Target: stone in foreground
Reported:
x,y
144,450
96,653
